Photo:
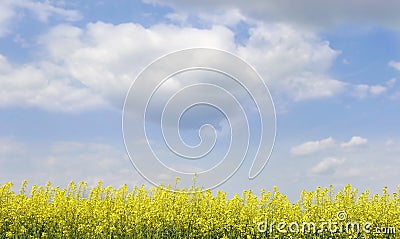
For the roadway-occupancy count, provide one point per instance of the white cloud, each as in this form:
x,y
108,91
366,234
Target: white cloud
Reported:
x,y
310,86
311,147
291,61
226,18
310,13
394,64
40,83
377,89
43,85
354,141
6,15
21,41
363,91
42,10
391,83
177,17
106,58
93,66
327,166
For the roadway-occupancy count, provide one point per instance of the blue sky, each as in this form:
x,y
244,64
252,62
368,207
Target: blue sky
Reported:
x,y
332,70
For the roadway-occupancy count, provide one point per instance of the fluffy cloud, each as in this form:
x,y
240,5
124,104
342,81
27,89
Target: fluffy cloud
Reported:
x,y
106,58
227,18
363,91
354,141
327,166
307,86
311,147
42,10
43,85
310,13
394,64
93,66
391,83
338,152
293,62
6,15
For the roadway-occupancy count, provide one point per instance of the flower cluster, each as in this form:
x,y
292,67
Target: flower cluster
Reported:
x,y
107,212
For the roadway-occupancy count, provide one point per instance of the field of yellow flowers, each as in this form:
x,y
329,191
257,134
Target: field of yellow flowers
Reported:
x,y
107,212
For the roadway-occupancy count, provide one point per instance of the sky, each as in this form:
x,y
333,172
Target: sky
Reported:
x,y
332,70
